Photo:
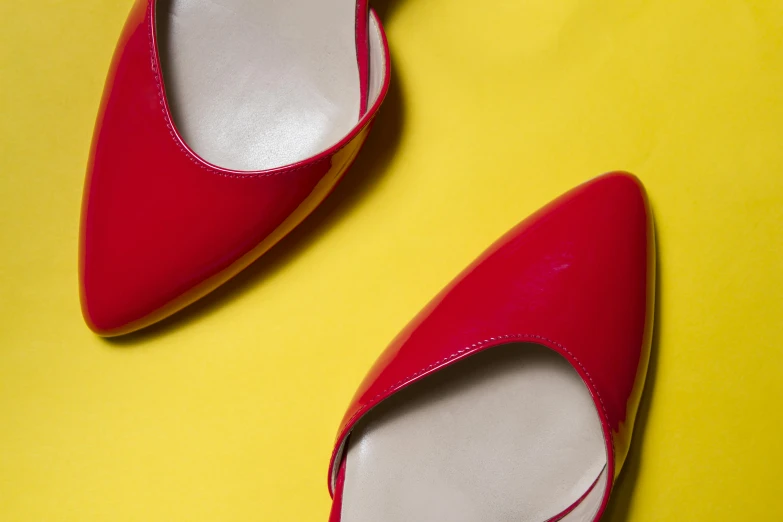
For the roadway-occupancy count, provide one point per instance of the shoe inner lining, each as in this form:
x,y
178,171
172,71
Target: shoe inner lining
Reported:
x,y
258,84
508,434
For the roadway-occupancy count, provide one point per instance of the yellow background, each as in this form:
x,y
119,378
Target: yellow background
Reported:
x,y
227,412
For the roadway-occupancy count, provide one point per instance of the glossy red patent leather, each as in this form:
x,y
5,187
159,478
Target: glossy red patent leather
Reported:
x,y
577,277
160,226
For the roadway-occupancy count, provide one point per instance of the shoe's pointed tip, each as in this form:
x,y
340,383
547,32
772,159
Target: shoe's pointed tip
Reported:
x,y
103,320
107,309
621,189
105,325
97,329
619,178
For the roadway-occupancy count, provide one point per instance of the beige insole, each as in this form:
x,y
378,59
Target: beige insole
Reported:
x,y
511,434
258,84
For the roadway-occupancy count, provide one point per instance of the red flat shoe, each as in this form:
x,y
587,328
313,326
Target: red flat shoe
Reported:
x,y
222,126
513,394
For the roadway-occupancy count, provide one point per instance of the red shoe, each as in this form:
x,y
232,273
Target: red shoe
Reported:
x,y
512,396
265,106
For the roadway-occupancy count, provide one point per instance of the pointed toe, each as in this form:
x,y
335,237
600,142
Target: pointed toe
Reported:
x,y
104,308
154,240
106,311
576,278
161,226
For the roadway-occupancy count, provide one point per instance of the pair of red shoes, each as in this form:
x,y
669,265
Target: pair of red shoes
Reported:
x,y
443,428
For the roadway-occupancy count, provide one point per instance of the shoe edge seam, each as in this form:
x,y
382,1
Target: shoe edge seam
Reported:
x,y
474,347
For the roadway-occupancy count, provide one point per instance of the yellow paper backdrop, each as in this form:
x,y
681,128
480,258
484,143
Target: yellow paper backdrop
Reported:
x,y
227,412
